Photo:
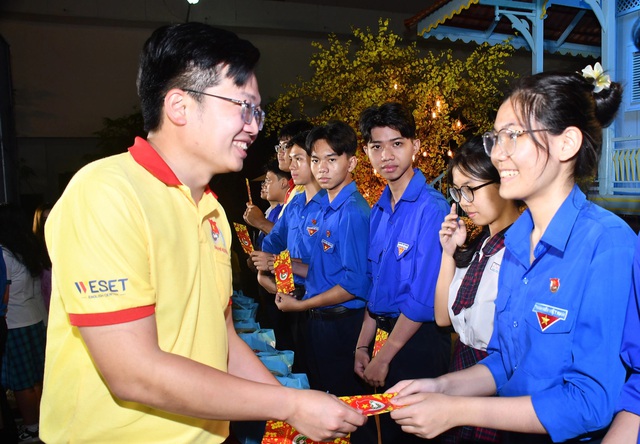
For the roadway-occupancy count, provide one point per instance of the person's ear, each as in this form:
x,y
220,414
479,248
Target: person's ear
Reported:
x,y
353,161
175,106
416,146
284,183
571,139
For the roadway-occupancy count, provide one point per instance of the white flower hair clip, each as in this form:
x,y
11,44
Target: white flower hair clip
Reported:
x,y
597,77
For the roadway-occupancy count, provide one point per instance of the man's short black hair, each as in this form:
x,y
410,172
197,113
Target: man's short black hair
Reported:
x,y
272,166
299,139
189,56
293,128
341,138
392,115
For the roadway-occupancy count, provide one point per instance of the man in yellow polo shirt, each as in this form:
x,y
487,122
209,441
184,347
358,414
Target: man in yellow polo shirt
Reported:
x,y
141,345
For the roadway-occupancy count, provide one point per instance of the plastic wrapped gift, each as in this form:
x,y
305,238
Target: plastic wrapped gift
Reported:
x,y
263,340
294,380
279,362
246,326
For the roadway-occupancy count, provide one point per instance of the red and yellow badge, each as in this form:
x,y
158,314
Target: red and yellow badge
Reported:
x,y
243,237
326,245
312,230
374,404
381,338
402,247
215,232
283,272
548,315
279,432
554,284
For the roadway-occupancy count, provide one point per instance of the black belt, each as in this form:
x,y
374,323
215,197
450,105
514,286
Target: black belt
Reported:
x,y
333,313
385,323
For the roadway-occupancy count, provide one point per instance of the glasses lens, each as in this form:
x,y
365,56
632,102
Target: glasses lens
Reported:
x,y
488,140
455,194
507,141
259,115
467,194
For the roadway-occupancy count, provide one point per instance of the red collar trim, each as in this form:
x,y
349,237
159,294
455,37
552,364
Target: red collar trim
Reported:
x,y
147,157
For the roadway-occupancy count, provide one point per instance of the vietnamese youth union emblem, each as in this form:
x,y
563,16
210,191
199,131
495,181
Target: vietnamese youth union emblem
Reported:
x,y
215,232
548,315
402,247
554,284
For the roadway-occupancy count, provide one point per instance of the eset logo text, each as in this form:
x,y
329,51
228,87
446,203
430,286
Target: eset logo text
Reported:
x,y
102,286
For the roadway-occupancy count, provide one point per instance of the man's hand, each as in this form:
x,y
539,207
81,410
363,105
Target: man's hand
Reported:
x,y
323,417
262,260
287,302
254,217
360,361
376,372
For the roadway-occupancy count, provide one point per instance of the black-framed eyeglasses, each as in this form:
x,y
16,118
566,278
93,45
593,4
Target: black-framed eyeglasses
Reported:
x,y
466,192
249,110
502,139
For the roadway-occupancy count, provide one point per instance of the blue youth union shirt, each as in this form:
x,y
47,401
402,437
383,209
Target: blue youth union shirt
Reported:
x,y
404,251
340,256
559,320
297,229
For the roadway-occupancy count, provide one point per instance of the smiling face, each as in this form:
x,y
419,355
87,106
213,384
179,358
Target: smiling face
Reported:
x,y
530,173
391,155
332,171
220,136
300,166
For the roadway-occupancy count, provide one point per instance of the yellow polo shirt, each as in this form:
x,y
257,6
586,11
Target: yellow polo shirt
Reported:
x,y
126,241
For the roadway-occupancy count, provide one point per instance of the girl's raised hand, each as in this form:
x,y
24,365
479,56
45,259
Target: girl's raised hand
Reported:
x,y
453,232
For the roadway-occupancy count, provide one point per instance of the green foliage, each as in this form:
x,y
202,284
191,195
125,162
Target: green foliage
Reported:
x,y
117,134
450,98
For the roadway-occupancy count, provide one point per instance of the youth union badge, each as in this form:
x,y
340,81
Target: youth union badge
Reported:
x,y
548,315
402,247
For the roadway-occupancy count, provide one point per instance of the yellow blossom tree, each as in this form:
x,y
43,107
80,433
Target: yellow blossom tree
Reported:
x,y
451,98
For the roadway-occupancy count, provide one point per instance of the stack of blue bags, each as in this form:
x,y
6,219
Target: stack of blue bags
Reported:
x,y
263,343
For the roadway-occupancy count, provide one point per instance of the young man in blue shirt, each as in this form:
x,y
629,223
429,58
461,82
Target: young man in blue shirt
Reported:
x,y
337,284
404,253
297,231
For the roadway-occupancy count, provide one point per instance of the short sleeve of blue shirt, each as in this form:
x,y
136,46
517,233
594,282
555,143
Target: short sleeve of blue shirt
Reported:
x,y
404,251
559,320
340,256
276,240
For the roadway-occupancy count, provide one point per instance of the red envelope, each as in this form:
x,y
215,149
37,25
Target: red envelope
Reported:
x,y
381,338
283,272
279,432
243,236
374,404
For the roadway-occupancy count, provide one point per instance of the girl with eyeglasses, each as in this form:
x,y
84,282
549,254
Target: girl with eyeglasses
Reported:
x,y
468,280
564,279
